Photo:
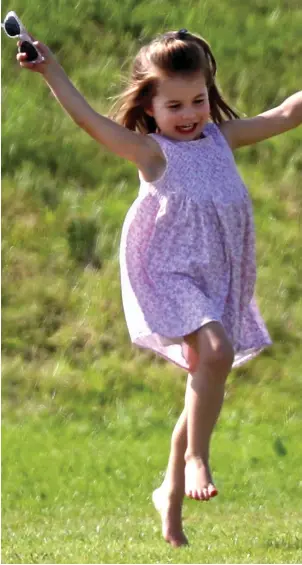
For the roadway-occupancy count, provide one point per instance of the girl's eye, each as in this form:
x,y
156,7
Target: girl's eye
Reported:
x,y
177,106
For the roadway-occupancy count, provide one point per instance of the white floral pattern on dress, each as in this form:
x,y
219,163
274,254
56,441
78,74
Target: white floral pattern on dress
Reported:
x,y
187,253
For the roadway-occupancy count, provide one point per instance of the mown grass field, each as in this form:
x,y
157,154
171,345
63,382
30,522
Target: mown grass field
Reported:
x,y
86,418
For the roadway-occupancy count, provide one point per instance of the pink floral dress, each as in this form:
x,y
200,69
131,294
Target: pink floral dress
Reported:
x,y
187,253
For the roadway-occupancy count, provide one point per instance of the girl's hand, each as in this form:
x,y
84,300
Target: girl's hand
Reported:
x,y
43,67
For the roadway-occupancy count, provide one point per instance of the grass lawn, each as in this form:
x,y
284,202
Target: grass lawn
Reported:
x,y
77,489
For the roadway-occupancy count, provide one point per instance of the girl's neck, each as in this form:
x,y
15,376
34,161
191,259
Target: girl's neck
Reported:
x,y
159,132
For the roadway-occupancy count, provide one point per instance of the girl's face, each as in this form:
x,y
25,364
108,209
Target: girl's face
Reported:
x,y
181,106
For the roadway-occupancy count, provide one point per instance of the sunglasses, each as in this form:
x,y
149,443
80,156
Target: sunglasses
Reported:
x,y
13,27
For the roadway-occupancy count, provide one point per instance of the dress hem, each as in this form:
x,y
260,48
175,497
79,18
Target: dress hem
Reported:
x,y
241,356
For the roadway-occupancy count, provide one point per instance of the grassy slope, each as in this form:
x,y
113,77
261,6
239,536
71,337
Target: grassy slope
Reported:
x,y
86,418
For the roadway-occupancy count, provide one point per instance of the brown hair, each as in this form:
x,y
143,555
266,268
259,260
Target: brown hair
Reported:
x,y
175,52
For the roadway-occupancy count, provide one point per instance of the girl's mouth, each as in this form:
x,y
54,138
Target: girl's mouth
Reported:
x,y
190,128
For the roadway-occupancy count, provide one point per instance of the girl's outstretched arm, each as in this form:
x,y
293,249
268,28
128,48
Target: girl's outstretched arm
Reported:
x,y
273,122
138,148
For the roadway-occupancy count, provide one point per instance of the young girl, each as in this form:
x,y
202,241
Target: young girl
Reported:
x,y
187,250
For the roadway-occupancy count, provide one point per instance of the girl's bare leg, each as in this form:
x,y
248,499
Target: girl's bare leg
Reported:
x,y
204,401
168,498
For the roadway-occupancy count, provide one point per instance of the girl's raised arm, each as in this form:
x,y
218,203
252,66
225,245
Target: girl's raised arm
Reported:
x,y
273,122
138,148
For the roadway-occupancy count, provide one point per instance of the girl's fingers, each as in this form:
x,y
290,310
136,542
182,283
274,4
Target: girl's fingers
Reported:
x,y
44,50
37,67
21,57
24,63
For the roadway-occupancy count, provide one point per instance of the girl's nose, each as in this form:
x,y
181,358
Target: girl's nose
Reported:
x,y
188,114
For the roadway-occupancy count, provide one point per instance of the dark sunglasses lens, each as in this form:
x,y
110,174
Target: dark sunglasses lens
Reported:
x,y
12,27
28,48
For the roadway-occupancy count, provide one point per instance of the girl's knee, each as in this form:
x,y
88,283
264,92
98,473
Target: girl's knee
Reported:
x,y
215,348
220,354
209,346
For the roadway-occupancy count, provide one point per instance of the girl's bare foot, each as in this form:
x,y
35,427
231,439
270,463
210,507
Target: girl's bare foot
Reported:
x,y
198,480
169,508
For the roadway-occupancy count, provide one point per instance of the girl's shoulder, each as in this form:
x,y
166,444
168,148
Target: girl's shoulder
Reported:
x,y
217,133
214,130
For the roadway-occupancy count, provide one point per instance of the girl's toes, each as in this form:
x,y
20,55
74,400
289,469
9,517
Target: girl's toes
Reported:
x,y
206,494
198,495
212,491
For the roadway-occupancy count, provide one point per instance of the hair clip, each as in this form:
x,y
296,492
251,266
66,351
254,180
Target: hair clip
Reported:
x,y
181,34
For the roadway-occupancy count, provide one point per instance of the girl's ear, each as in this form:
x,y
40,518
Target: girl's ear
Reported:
x,y
149,111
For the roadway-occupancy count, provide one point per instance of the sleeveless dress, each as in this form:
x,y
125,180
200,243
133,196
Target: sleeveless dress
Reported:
x,y
187,252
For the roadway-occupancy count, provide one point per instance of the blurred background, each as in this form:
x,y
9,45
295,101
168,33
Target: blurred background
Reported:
x,y
86,417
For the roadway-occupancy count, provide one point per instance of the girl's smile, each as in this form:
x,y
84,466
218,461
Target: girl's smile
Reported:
x,y
187,129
